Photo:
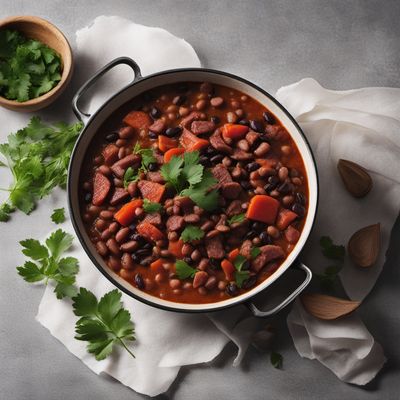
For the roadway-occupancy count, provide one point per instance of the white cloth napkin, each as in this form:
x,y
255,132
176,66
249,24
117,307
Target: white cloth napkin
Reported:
x,y
165,340
362,126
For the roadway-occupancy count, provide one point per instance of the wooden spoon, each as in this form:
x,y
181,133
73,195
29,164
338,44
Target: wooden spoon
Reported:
x,y
327,307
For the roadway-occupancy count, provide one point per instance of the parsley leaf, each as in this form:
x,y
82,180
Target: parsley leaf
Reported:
x,y
146,154
28,68
236,219
191,232
130,176
254,252
276,360
330,250
241,275
193,170
184,270
171,172
239,262
103,324
58,215
151,207
48,265
38,157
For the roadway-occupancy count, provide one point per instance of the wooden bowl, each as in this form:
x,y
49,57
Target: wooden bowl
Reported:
x,y
47,33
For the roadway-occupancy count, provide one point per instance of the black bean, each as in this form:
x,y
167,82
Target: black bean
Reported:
x,y
265,138
155,112
249,282
132,227
298,209
152,135
265,238
139,281
135,258
252,166
188,260
179,100
244,122
246,185
300,198
232,289
147,246
205,161
256,125
88,197
284,188
137,237
171,132
258,226
215,119
268,118
273,180
152,166
217,158
250,234
112,137
143,252
214,263
269,187
246,265
210,151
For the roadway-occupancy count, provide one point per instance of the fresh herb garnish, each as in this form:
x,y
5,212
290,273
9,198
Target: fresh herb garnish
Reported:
x,y
191,232
184,270
237,219
38,157
48,265
330,250
28,68
147,158
276,360
151,207
254,252
58,215
189,178
240,275
103,323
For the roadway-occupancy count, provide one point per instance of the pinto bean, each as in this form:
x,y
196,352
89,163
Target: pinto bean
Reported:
x,y
283,173
262,149
126,132
100,224
122,235
243,145
126,261
106,234
217,101
200,278
211,282
114,263
102,249
231,117
113,246
175,283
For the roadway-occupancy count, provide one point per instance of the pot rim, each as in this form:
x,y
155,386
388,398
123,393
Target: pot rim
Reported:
x,y
235,301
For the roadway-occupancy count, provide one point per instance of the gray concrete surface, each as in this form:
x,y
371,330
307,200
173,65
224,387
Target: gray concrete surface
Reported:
x,y
343,44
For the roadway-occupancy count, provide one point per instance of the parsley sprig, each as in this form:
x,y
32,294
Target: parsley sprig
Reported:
x,y
236,219
58,215
189,178
47,264
240,275
151,207
191,233
103,323
147,158
28,68
184,270
38,157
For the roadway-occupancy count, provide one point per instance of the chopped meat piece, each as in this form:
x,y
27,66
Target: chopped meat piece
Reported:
x,y
234,208
118,196
110,154
185,203
218,143
101,188
215,248
155,177
193,116
269,252
245,250
120,166
292,234
159,157
154,218
151,190
221,174
191,218
175,223
158,126
231,190
200,127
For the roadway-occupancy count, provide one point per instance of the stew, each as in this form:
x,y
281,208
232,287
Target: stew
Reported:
x,y
193,192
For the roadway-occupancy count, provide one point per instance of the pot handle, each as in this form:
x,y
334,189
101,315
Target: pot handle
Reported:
x,y
262,314
83,116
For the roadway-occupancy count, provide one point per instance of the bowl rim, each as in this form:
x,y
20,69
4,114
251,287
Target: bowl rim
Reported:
x,y
205,306
67,62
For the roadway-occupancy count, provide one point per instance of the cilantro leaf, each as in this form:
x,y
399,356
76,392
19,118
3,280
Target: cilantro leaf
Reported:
x,y
237,219
184,270
146,154
192,170
332,251
191,232
151,207
49,266
5,210
276,360
130,176
239,262
254,252
103,324
241,275
58,215
171,171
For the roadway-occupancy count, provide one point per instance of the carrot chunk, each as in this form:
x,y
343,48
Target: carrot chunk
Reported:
x,y
101,188
152,191
149,231
138,120
233,254
285,218
228,269
263,208
176,151
126,214
234,131
175,248
191,142
165,143
157,265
